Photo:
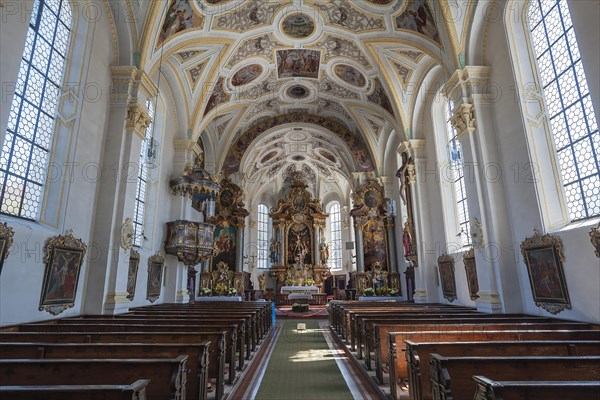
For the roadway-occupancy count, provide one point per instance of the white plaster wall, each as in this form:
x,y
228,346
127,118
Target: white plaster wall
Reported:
x,y
78,142
582,268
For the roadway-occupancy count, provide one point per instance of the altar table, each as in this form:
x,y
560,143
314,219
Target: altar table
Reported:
x,y
299,289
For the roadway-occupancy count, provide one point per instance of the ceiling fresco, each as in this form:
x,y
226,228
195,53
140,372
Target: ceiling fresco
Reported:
x,y
238,68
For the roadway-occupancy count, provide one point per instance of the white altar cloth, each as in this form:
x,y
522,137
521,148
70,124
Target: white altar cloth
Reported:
x,y
219,298
299,289
299,296
382,298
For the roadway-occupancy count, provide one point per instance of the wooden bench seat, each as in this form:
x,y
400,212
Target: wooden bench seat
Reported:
x,y
418,356
452,377
112,326
488,389
216,354
167,376
380,340
197,364
135,391
398,367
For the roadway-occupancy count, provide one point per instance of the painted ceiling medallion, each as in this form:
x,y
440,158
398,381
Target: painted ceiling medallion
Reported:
x,y
417,16
298,92
298,63
380,2
298,26
246,75
350,75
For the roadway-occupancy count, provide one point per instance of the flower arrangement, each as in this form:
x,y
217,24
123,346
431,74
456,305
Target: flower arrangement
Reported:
x,y
309,282
296,307
205,291
220,289
381,291
369,292
232,292
393,292
290,282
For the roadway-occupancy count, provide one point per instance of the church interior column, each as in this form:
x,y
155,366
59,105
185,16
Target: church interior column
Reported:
x,y
473,122
127,122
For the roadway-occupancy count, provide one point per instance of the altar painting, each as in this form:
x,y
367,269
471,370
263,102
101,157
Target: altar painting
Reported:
x,y
299,244
374,245
224,247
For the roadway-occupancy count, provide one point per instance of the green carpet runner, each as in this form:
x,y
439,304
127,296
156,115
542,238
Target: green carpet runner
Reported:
x,y
302,367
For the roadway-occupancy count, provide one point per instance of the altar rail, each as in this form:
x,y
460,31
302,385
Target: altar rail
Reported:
x,y
318,299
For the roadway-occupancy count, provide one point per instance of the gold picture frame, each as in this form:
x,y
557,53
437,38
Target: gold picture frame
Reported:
x,y
471,270
63,258
543,256
134,263
595,239
447,278
6,240
156,264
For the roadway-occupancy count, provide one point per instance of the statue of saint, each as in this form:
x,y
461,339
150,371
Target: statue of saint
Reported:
x,y
274,252
261,282
324,252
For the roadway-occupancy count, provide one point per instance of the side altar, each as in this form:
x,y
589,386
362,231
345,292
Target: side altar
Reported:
x,y
299,250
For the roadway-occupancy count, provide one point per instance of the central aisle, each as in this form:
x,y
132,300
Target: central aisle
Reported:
x,y
302,366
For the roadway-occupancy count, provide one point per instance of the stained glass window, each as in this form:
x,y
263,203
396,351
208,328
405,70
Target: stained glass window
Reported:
x,y
263,238
569,105
335,245
142,181
31,121
457,176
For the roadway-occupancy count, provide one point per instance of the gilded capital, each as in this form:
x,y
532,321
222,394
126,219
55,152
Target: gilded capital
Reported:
x,y
137,120
463,119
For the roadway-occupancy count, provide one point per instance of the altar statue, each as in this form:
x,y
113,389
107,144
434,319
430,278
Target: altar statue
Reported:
x,y
274,252
261,282
324,252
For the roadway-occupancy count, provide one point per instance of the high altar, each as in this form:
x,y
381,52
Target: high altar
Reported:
x,y
299,250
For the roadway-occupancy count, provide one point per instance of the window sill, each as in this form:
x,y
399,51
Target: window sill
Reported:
x,y
579,225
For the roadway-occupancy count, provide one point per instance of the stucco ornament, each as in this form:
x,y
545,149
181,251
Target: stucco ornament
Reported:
x,y
477,233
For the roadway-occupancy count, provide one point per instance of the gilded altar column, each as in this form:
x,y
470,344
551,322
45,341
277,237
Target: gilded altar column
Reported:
x,y
282,254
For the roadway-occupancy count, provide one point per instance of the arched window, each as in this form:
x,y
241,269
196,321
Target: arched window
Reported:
x,y
142,181
457,177
569,105
31,121
262,227
335,244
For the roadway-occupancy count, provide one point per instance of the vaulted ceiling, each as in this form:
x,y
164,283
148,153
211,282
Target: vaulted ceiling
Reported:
x,y
234,67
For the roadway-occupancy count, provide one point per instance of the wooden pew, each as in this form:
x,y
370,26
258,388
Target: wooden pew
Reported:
x,y
372,340
451,377
488,389
380,340
418,355
111,326
397,343
167,376
216,339
135,391
197,365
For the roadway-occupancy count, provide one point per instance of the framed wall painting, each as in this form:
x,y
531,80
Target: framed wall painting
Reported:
x,y
63,258
134,263
155,269
6,240
471,270
446,266
543,256
595,238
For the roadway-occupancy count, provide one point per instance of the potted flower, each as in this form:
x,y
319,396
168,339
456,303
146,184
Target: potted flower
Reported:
x,y
393,292
231,292
369,292
220,289
205,291
309,282
297,307
290,282
381,291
